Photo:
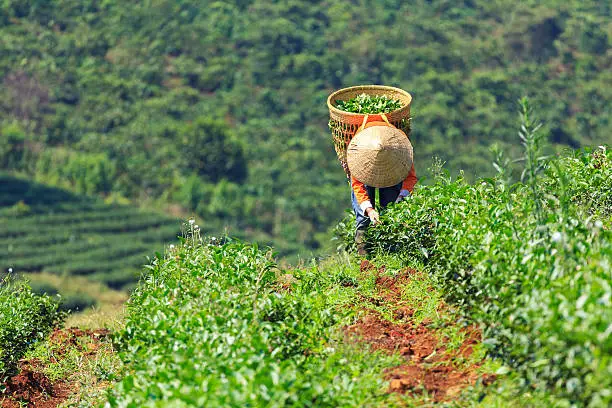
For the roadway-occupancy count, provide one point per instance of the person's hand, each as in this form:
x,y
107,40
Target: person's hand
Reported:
x,y
373,214
403,194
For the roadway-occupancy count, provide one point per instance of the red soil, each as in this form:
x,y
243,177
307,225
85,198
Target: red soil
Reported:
x,y
69,338
31,388
34,389
428,368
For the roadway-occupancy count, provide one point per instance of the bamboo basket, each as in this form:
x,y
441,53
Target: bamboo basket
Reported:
x,y
344,125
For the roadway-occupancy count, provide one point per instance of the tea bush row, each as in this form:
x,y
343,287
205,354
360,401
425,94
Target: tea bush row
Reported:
x,y
82,215
540,283
211,325
25,318
100,255
65,236
76,235
22,227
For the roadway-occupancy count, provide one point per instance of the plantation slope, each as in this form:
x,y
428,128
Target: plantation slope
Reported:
x,y
233,329
53,230
527,262
484,295
420,352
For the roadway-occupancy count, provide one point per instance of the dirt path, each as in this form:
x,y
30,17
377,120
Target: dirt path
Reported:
x,y
430,368
32,388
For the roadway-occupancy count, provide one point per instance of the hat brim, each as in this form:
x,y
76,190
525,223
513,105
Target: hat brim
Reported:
x,y
380,156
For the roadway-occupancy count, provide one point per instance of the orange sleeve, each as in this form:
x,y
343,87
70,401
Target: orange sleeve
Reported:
x,y
410,180
359,190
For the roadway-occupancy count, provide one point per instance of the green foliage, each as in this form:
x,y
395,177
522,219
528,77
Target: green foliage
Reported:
x,y
369,104
209,149
25,318
118,88
539,283
12,146
215,318
83,173
534,162
590,170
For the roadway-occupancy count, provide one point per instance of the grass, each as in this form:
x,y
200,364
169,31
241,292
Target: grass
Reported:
x,y
88,366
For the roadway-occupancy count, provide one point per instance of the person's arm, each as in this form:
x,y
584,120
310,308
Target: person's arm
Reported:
x,y
363,199
407,185
361,194
410,180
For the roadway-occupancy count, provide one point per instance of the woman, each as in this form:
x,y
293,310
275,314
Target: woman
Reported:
x,y
379,156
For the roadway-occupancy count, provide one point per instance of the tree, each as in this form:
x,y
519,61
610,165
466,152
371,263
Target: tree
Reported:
x,y
12,141
209,149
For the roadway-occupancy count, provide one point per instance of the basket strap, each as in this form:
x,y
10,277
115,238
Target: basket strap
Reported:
x,y
384,117
365,120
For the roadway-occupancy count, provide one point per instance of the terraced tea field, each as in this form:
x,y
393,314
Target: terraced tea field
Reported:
x,y
52,230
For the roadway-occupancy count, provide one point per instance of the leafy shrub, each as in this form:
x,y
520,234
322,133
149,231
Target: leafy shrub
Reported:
x,y
210,317
592,186
85,172
25,318
12,141
209,148
540,284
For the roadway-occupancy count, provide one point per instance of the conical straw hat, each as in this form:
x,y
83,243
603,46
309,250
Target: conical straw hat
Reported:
x,y
380,156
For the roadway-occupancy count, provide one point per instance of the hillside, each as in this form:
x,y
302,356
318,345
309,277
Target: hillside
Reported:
x,y
491,294
491,286
519,272
46,229
219,107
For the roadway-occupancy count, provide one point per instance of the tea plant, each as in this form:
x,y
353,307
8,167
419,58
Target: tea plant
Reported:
x,y
544,299
25,318
213,324
535,163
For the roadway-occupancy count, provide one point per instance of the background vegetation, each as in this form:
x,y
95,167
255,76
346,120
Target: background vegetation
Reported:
x,y
219,107
68,234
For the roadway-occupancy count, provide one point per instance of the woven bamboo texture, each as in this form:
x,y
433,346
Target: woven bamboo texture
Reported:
x,y
344,125
380,156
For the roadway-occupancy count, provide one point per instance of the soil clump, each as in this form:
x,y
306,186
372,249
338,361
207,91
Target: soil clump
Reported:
x,y
430,368
32,388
